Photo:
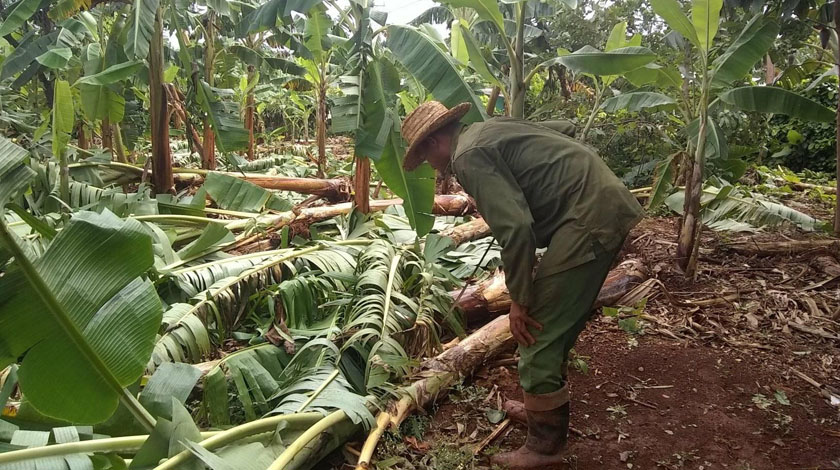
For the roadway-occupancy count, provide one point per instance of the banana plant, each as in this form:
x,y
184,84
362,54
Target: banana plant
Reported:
x,y
320,42
517,27
716,85
620,56
369,110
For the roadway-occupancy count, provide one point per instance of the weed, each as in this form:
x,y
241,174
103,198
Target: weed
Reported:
x,y
448,457
629,318
391,445
761,402
469,394
415,426
579,362
492,450
781,421
617,412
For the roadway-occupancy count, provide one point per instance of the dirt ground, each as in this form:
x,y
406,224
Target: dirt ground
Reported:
x,y
701,377
655,403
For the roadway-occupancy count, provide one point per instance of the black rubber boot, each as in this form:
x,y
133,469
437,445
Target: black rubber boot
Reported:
x,y
548,432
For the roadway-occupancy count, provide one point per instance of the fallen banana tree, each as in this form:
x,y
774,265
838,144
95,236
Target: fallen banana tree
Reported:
x,y
466,232
333,189
491,297
438,374
451,205
785,247
807,186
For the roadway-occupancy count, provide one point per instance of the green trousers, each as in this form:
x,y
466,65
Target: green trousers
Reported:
x,y
562,304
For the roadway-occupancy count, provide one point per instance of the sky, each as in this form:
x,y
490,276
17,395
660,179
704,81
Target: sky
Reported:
x,y
403,11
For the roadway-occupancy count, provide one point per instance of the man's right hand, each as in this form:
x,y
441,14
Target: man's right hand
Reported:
x,y
519,323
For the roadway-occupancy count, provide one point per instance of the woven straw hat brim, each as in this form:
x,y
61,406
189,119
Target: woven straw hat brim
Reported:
x,y
413,158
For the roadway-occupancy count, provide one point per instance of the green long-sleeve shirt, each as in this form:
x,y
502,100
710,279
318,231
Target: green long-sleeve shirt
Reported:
x,y
534,184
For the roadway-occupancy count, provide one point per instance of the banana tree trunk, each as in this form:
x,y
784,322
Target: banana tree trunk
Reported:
x,y
321,123
107,141
250,109
491,103
119,148
208,157
84,144
517,67
472,230
446,369
691,227
452,205
565,87
161,158
334,190
752,247
837,135
361,183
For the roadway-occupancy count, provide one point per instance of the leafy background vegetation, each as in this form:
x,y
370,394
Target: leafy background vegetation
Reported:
x,y
164,166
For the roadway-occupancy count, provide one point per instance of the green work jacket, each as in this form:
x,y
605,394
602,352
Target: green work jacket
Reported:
x,y
537,186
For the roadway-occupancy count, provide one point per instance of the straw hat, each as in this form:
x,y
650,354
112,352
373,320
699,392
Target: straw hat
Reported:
x,y
423,122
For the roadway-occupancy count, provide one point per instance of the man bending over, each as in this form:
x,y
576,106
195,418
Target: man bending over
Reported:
x,y
536,187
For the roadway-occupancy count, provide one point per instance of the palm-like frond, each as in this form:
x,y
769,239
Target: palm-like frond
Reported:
x,y
223,304
397,308
731,209
267,379
286,165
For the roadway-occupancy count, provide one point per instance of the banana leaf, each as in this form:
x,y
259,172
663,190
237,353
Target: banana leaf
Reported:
x,y
671,12
705,15
141,28
636,101
112,74
433,68
236,194
769,99
18,16
55,58
104,306
616,62
63,117
727,208
486,9
748,48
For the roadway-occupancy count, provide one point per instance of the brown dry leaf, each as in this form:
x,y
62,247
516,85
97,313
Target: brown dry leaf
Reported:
x,y
812,306
421,446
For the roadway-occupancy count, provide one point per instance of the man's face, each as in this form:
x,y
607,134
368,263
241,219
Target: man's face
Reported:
x,y
438,150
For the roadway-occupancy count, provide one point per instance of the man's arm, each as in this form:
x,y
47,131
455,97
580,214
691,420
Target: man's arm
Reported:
x,y
487,178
